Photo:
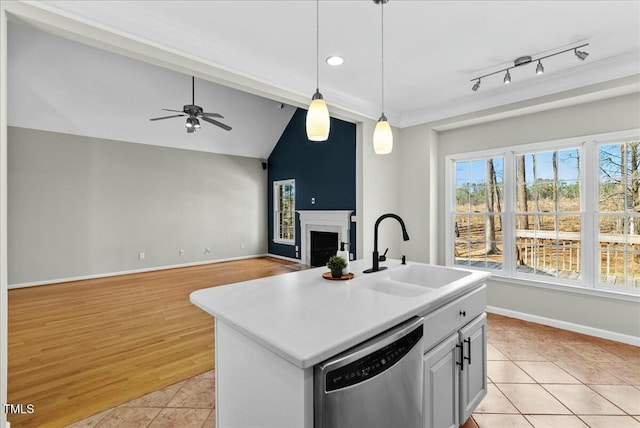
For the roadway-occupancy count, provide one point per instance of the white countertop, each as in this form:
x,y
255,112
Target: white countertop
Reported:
x,y
306,319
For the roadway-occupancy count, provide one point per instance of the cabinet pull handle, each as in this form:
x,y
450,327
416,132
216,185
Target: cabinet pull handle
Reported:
x,y
468,342
461,362
463,313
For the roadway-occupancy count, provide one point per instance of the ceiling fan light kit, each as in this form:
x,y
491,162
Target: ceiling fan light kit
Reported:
x,y
318,122
193,112
523,60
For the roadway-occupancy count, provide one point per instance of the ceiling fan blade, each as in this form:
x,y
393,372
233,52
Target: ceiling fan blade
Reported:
x,y
215,122
177,111
167,117
218,115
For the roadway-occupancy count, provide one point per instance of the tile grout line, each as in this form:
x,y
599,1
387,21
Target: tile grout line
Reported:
x,y
580,382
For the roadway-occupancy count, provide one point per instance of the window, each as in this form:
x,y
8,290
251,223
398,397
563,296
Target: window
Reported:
x,y
477,218
284,206
563,212
548,213
619,214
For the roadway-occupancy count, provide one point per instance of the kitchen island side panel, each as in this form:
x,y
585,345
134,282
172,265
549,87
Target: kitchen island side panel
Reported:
x,y
257,388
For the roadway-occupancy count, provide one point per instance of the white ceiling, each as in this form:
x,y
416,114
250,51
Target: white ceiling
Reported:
x,y
432,51
63,86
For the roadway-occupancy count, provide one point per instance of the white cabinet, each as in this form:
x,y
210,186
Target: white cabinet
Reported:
x,y
473,372
455,365
441,385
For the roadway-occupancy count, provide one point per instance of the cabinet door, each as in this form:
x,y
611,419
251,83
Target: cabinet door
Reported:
x,y
441,383
473,376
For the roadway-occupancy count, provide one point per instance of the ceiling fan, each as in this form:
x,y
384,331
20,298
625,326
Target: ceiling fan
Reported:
x,y
195,113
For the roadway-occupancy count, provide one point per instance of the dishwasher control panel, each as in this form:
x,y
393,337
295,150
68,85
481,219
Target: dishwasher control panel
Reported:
x,y
372,364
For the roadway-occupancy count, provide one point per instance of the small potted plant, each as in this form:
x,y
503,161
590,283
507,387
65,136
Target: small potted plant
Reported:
x,y
335,265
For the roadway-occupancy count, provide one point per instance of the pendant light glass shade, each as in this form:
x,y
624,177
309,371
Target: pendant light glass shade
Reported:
x,y
318,122
382,137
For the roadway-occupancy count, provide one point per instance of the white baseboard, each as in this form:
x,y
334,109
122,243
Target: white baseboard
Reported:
x,y
289,259
150,269
578,328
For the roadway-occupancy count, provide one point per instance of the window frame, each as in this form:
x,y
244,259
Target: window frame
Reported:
x,y
589,282
277,184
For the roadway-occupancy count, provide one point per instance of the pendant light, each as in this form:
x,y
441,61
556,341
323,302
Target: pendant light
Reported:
x,y
318,122
382,135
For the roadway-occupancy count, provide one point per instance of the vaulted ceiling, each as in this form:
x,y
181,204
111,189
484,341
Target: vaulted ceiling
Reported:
x,y
432,51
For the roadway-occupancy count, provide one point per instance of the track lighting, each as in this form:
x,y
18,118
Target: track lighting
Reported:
x,y
523,60
580,54
507,78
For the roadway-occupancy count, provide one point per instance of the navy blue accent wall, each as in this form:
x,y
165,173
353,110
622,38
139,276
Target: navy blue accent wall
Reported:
x,y
325,171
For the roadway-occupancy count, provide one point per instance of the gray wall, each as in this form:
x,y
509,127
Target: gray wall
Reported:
x,y
592,312
82,206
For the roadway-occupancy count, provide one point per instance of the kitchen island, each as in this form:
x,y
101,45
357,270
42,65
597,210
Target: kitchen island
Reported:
x,y
271,332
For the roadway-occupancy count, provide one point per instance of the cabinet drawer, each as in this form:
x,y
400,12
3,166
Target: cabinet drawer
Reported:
x,y
453,316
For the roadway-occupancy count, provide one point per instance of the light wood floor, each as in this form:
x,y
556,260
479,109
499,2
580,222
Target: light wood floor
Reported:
x,y
81,347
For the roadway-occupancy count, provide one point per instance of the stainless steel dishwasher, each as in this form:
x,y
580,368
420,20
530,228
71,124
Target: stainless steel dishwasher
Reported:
x,y
375,384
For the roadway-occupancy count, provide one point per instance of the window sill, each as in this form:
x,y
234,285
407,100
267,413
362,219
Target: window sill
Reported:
x,y
284,242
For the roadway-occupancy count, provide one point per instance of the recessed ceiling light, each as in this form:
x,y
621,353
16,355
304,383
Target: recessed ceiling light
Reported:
x,y
335,60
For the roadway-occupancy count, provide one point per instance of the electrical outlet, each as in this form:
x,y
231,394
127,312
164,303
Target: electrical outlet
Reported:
x,y
207,250
313,201
350,256
182,252
141,256
242,245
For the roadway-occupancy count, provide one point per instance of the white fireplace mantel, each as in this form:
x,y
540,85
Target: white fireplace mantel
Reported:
x,y
337,221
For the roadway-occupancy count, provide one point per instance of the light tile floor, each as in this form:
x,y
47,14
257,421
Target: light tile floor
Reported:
x,y
544,377
539,377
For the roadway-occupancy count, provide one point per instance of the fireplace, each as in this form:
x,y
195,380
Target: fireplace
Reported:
x,y
323,246
335,221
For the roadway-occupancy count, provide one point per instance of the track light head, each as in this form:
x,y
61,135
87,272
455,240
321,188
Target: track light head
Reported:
x,y
539,68
582,55
476,85
507,78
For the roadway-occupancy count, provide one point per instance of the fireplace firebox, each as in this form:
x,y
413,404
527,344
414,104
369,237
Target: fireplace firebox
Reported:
x,y
323,246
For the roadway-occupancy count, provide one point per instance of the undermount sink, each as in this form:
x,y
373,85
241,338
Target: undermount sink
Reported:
x,y
429,276
395,288
411,280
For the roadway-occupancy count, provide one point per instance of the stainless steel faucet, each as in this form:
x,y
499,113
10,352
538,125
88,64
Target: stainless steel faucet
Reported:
x,y
376,257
